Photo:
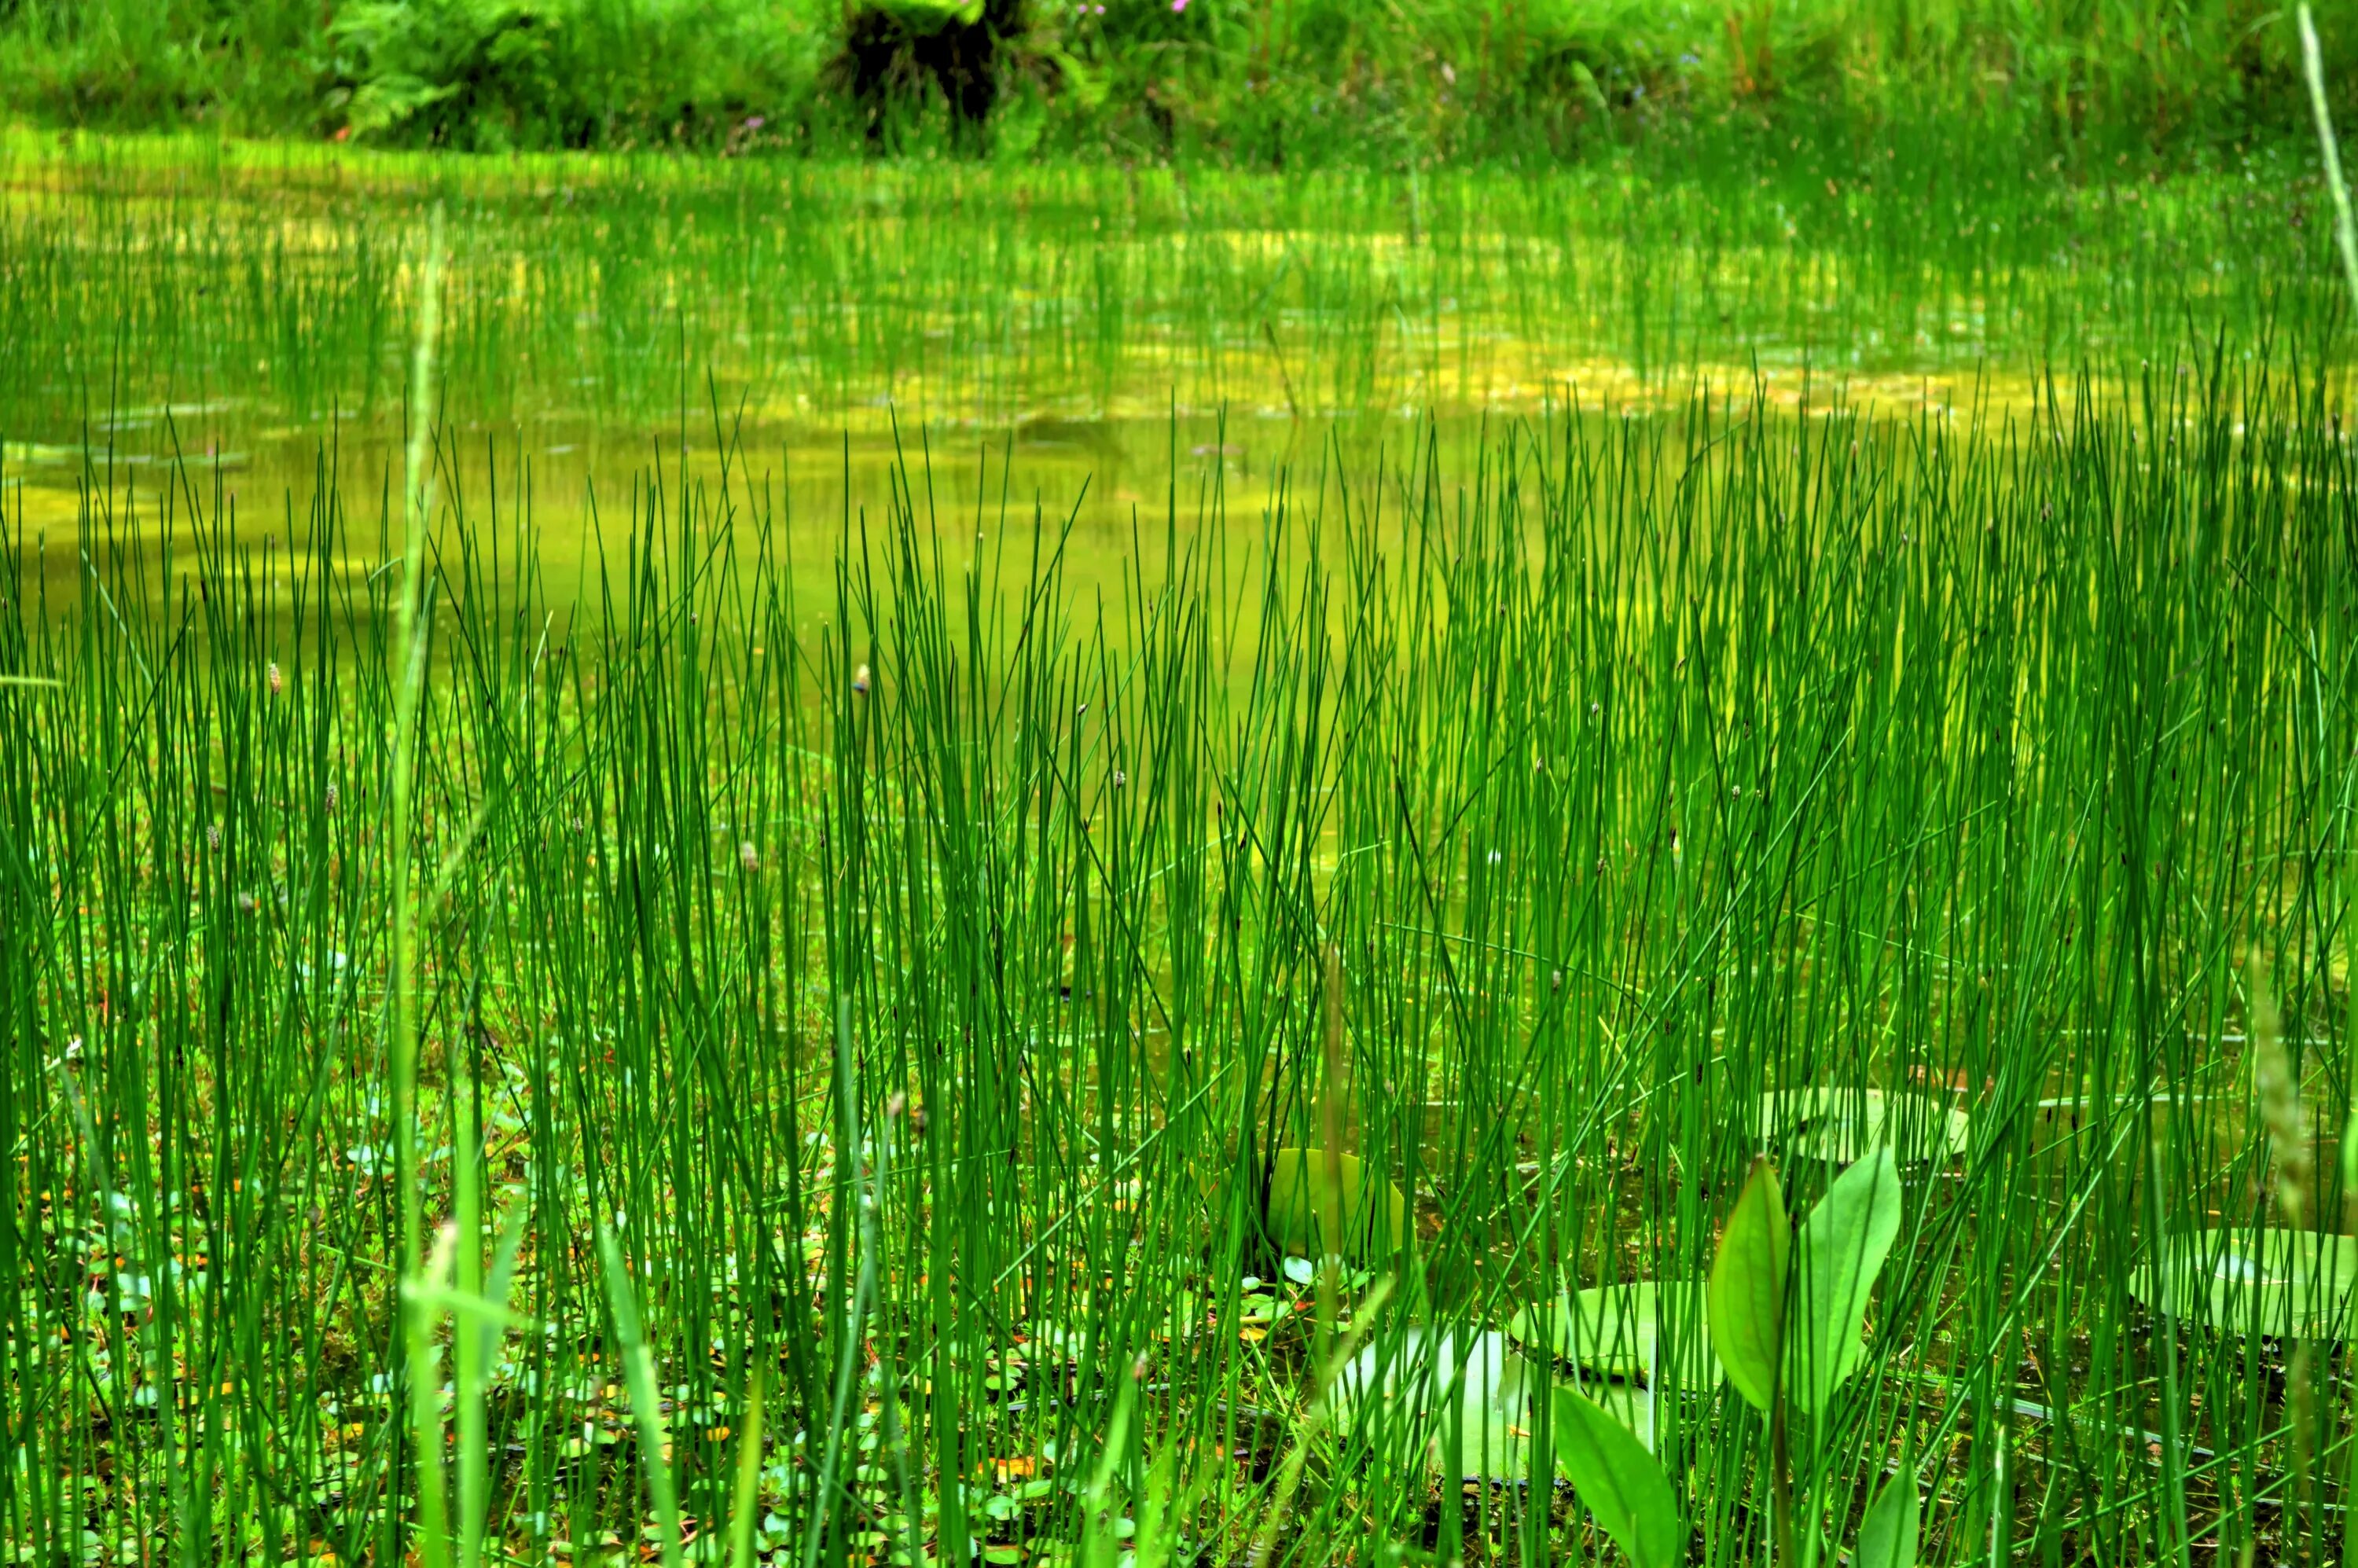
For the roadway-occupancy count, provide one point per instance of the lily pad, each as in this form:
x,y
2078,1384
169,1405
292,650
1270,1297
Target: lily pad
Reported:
x,y
1375,1215
1427,1374
1839,1126
1618,1329
1628,1403
2291,1282
1493,1389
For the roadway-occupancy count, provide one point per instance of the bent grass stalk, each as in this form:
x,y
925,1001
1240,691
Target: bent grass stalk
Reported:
x,y
413,627
2345,242
646,1394
2345,227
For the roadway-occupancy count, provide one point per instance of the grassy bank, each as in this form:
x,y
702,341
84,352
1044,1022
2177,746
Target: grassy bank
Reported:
x,y
1635,778
1143,80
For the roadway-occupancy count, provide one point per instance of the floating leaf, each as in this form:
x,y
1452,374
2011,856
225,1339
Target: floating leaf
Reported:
x,y
1747,1287
1375,1215
1618,1329
2294,1283
1839,1126
1628,1403
1493,1395
1621,1483
1887,1536
1484,1387
1842,1245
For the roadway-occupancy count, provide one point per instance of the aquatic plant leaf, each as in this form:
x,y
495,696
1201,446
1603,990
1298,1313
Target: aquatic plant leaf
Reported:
x,y
1621,1483
1839,1126
1619,1329
1746,1292
1843,1246
1493,1397
1474,1391
2294,1283
1375,1215
1629,1404
1887,1535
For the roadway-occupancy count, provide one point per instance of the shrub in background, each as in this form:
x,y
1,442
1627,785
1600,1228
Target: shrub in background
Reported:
x,y
249,65
1261,81
899,56
493,74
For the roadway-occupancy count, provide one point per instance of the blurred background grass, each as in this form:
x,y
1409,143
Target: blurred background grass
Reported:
x,y
1395,84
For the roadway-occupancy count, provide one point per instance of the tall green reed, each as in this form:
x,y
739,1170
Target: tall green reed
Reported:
x,y
411,630
1652,767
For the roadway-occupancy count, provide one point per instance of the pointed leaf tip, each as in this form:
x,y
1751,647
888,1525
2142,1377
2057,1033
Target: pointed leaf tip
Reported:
x,y
1747,1294
1622,1484
1842,1245
1887,1536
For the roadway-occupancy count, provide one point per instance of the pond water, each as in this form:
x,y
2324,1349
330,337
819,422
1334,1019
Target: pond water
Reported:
x,y
233,324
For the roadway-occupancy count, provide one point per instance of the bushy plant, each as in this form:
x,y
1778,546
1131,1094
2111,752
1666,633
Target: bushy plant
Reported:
x,y
247,63
493,74
462,70
896,55
1269,84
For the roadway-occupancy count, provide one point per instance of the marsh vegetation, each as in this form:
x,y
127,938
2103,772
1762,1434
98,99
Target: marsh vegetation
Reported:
x,y
892,863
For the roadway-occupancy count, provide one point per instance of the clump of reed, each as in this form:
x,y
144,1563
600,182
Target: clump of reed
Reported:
x,y
885,1024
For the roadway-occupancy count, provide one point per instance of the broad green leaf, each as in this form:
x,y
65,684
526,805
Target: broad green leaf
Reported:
x,y
1628,1403
1620,1482
1747,1287
2294,1283
1620,1330
1842,1245
1840,1126
1475,1392
1375,1215
1887,1535
1492,1393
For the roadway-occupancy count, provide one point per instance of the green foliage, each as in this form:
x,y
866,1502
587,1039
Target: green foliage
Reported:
x,y
495,74
492,72
249,65
1631,760
1618,1329
1887,1535
921,16
1316,80
1621,1484
1840,1125
1746,1292
1375,1216
2296,1283
647,1398
1842,1248
786,784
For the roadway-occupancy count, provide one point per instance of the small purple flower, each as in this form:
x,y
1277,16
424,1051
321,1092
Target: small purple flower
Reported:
x,y
754,121
1177,6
